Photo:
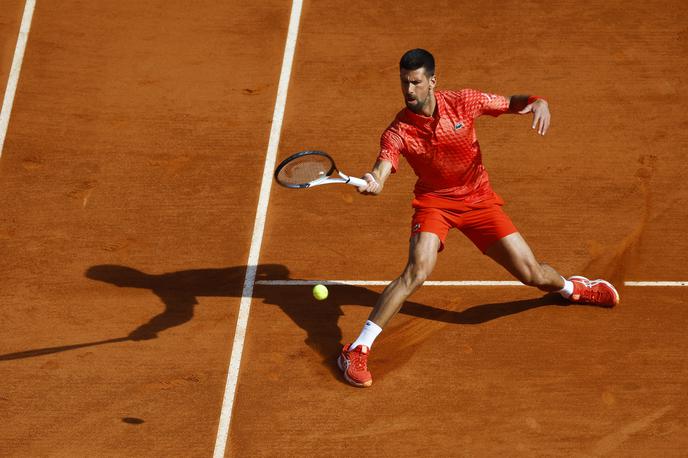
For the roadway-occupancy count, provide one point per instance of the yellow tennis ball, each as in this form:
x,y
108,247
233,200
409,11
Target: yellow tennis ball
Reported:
x,y
320,292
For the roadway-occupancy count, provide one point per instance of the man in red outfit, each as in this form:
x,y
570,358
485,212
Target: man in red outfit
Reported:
x,y
436,135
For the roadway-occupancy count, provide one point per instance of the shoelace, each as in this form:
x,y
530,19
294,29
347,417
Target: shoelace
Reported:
x,y
358,361
592,295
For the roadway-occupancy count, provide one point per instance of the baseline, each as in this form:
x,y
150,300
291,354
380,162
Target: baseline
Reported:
x,y
440,283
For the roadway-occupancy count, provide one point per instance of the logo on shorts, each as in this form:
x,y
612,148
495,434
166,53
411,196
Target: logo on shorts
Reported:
x,y
458,125
416,227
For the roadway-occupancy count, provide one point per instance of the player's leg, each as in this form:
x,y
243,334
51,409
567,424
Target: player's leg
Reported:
x,y
495,235
422,258
514,254
493,232
353,359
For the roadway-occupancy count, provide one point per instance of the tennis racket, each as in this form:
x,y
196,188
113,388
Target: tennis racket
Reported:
x,y
306,169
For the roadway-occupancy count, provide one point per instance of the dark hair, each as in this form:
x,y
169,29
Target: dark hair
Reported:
x,y
418,58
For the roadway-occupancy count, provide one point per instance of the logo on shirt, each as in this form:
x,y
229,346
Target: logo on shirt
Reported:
x,y
458,125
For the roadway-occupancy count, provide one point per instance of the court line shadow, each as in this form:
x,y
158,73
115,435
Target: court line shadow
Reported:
x,y
178,291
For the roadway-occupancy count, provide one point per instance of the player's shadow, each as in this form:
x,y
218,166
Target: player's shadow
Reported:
x,y
179,293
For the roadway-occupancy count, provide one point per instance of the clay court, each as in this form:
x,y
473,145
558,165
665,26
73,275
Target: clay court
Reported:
x,y
136,203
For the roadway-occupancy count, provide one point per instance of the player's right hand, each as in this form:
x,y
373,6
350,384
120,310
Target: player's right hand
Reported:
x,y
373,187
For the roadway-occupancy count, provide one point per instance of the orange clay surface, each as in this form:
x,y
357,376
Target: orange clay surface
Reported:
x,y
129,182
10,18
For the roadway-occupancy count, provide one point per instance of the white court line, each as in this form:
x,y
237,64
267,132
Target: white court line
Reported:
x,y
382,283
437,283
258,229
13,78
656,283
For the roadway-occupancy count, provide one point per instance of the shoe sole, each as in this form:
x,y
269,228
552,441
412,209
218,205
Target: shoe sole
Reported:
x,y
351,381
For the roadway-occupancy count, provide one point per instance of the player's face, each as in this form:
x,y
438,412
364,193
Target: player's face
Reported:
x,y
417,87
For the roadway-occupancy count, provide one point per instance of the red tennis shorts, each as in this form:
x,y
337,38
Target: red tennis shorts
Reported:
x,y
484,223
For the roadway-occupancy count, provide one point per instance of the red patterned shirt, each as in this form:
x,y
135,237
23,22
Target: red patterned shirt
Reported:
x,y
443,150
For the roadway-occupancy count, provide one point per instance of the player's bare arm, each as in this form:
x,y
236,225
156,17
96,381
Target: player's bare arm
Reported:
x,y
376,178
523,104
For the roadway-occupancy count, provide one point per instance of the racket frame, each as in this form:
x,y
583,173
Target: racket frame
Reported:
x,y
325,179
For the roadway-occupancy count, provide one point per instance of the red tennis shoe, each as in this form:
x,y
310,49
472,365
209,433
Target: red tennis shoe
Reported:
x,y
595,292
354,364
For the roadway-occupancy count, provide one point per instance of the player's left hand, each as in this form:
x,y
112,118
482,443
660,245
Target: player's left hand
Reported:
x,y
541,115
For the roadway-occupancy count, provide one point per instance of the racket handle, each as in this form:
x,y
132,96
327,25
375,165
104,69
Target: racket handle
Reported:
x,y
353,181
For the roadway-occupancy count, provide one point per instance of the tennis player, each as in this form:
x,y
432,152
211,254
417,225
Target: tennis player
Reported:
x,y
436,135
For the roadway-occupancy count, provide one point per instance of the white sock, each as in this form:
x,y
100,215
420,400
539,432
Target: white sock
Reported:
x,y
368,335
567,290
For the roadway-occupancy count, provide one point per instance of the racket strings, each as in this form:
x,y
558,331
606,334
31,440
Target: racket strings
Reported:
x,y
305,169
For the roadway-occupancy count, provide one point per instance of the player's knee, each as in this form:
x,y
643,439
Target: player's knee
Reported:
x,y
532,275
416,275
419,276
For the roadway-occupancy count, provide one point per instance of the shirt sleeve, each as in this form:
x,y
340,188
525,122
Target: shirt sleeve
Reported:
x,y
477,103
391,146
